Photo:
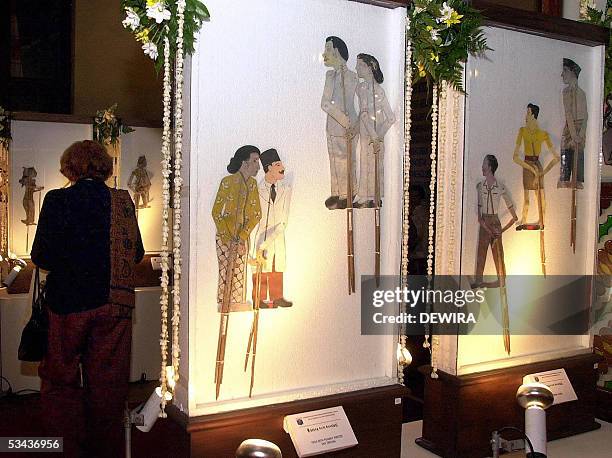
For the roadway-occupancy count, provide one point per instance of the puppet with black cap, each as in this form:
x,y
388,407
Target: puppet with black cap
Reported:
x,y
269,239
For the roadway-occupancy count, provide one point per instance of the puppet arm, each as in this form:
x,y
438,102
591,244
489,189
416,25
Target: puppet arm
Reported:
x,y
389,116
571,125
511,209
329,107
516,157
218,212
484,225
252,212
555,157
512,221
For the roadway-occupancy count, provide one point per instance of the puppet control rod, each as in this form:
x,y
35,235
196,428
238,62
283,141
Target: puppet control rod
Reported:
x,y
503,295
224,319
541,218
349,199
574,205
252,345
376,148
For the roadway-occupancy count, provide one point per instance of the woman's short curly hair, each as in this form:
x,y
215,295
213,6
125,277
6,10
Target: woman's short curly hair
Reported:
x,y
86,159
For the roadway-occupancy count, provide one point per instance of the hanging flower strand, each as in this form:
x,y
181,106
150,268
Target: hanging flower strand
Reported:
x,y
404,357
165,263
443,35
173,25
178,182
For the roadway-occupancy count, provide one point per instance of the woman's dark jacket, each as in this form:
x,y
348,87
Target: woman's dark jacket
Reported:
x,y
72,242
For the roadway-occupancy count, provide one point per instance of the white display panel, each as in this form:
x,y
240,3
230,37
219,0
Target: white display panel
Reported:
x,y
257,78
41,144
524,69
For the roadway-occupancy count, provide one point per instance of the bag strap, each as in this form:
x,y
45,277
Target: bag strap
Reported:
x,y
123,237
36,290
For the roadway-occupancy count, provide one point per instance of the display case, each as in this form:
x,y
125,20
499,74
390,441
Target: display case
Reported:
x,y
258,78
516,107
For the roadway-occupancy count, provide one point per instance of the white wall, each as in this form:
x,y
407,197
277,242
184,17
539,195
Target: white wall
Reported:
x,y
258,78
41,144
527,69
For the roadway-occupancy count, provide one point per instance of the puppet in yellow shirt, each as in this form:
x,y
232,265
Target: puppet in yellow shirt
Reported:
x,y
531,137
236,212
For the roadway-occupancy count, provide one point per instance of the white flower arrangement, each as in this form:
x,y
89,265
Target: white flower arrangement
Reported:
x,y
132,20
442,36
150,49
152,21
446,14
158,12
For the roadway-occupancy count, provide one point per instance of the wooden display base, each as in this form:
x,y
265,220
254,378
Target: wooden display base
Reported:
x,y
375,416
603,406
460,413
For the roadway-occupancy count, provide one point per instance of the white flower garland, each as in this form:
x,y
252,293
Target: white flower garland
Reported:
x,y
441,185
432,208
176,227
178,183
403,351
432,181
453,184
165,264
439,211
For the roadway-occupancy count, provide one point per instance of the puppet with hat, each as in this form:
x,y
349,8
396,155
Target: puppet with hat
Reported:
x,y
269,239
573,138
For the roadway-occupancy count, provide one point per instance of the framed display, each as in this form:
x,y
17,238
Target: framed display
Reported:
x,y
534,114
302,76
523,167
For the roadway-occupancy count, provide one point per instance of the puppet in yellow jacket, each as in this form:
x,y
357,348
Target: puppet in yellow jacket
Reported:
x,y
236,212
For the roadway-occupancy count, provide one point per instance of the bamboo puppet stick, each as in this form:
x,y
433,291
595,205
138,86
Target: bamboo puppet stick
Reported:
x,y
574,204
376,148
224,319
501,274
539,192
252,345
349,198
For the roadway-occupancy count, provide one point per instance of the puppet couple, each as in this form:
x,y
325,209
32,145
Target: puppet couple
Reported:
x,y
242,206
345,126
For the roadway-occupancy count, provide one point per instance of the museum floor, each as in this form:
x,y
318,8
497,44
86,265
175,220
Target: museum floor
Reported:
x,y
595,444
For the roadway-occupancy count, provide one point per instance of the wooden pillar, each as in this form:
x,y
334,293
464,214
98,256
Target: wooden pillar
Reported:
x,y
4,197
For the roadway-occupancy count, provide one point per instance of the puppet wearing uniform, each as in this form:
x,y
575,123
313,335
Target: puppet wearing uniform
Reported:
x,y
338,102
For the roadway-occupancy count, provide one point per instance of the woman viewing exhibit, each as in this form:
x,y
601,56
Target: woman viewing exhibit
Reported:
x,y
88,239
